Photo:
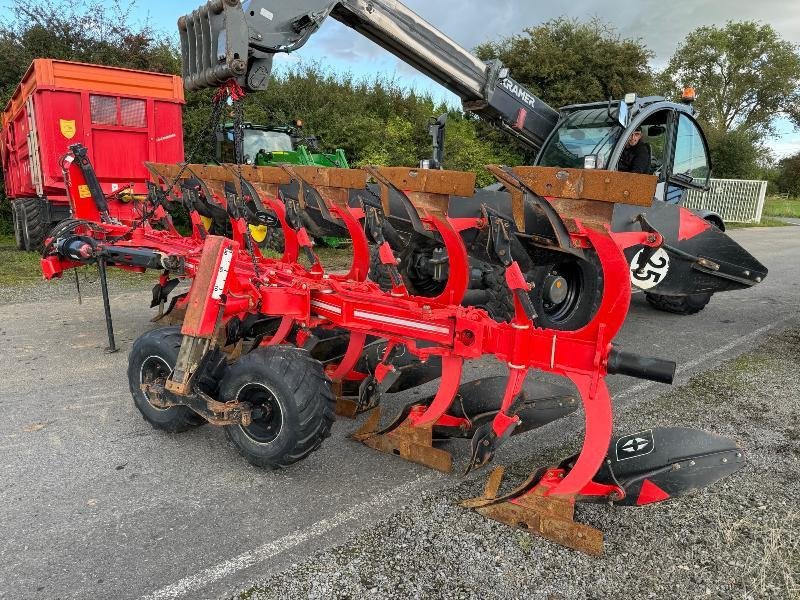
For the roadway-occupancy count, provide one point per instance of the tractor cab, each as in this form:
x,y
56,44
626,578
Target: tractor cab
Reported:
x,y
594,136
275,145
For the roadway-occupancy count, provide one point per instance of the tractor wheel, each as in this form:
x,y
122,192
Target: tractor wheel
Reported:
x,y
152,359
273,240
377,272
498,302
689,304
292,400
19,235
32,215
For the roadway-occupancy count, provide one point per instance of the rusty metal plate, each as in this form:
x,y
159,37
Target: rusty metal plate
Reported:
x,y
517,194
166,171
561,531
194,319
407,441
449,183
269,175
212,172
587,184
432,204
350,179
586,211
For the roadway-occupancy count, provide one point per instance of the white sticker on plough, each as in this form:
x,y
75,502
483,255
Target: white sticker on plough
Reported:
x,y
222,274
653,273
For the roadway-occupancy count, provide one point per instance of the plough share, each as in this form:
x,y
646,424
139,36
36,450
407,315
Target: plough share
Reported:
x,y
269,348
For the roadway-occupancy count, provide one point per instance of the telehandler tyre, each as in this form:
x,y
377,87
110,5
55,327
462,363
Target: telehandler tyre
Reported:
x,y
680,305
292,401
152,359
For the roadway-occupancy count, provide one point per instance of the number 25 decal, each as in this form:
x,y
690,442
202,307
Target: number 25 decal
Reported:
x,y
653,273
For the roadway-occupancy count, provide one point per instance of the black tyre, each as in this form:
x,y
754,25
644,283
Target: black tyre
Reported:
x,y
497,300
377,272
19,235
680,305
292,400
566,295
34,224
152,359
274,241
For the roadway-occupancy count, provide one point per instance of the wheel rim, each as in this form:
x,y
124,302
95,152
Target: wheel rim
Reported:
x,y
267,422
154,369
563,306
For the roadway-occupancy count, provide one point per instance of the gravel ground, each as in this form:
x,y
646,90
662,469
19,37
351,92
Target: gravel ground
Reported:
x,y
119,282
738,539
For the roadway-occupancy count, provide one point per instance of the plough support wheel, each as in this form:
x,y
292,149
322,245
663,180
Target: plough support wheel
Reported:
x,y
292,405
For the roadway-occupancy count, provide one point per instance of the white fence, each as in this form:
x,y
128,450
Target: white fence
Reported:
x,y
737,201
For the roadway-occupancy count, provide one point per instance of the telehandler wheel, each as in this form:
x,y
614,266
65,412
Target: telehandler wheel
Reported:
x,y
292,400
151,360
680,305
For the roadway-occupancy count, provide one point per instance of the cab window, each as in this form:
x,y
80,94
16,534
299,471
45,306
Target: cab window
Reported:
x,y
582,133
691,157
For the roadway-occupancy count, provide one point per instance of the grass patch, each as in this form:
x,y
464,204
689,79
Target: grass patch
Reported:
x,y
17,268
765,222
22,269
782,207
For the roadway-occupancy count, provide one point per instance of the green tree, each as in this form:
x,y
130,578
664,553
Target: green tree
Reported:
x,y
788,175
746,76
374,121
737,154
90,33
565,61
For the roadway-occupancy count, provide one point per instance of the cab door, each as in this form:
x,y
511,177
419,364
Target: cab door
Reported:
x,y
688,165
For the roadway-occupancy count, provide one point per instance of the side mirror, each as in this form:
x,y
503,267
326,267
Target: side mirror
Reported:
x,y
623,114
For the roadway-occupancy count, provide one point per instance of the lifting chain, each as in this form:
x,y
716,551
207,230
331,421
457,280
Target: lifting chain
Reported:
x,y
210,135
233,92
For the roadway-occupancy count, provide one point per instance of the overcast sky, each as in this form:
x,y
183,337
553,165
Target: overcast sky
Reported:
x,y
662,24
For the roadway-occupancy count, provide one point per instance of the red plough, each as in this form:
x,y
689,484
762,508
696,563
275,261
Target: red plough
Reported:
x,y
265,342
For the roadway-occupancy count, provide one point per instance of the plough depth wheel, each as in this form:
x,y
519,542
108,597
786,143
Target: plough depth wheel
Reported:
x,y
151,361
292,405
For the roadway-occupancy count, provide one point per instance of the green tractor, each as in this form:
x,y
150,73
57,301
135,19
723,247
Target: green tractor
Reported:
x,y
272,146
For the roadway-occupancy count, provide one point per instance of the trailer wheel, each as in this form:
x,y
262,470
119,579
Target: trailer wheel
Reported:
x,y
32,216
680,305
152,359
293,405
19,236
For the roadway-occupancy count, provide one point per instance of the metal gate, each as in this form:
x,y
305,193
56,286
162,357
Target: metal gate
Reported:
x,y
736,200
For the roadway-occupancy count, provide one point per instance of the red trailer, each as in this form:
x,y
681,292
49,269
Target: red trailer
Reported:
x,y
123,117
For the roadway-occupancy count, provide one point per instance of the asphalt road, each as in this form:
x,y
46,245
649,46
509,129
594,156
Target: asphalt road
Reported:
x,y
96,504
